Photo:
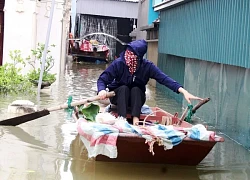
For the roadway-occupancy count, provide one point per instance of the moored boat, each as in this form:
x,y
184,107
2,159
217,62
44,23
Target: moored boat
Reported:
x,y
131,147
88,50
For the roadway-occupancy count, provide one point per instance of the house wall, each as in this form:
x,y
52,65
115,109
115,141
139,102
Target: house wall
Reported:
x,y
211,40
26,25
146,17
174,67
142,18
152,55
110,8
18,28
2,2
228,88
73,16
56,31
214,30
152,15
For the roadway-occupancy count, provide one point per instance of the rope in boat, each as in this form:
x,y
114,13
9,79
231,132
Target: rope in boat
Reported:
x,y
190,113
70,108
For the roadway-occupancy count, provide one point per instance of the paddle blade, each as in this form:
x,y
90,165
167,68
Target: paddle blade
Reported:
x,y
24,118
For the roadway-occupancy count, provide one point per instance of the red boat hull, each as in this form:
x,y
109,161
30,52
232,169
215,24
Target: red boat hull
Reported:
x,y
134,149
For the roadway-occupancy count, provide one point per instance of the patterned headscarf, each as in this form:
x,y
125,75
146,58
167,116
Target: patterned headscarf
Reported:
x,y
131,60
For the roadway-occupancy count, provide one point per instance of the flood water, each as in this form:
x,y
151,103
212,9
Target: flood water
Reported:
x,y
49,148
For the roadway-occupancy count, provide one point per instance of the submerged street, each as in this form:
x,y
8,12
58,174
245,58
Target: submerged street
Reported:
x,y
50,148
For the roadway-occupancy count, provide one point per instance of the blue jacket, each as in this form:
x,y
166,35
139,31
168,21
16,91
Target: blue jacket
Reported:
x,y
117,74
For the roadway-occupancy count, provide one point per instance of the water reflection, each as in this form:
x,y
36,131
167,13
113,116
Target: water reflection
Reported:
x,y
50,148
84,168
149,171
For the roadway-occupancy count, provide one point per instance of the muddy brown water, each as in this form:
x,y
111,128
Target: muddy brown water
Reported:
x,y
49,148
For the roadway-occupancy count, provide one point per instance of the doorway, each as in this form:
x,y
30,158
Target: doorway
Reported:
x,y
1,30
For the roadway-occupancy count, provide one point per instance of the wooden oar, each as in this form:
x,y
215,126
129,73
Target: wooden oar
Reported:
x,y
29,117
197,106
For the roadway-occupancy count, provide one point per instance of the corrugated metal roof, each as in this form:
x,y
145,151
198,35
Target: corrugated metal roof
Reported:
x,y
111,8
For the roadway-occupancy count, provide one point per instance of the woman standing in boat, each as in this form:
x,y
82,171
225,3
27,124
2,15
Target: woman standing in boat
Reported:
x,y
128,76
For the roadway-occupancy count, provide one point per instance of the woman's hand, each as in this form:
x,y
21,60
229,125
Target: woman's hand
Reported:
x,y
188,96
102,94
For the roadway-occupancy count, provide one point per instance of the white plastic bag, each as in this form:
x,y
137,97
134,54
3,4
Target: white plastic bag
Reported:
x,y
105,118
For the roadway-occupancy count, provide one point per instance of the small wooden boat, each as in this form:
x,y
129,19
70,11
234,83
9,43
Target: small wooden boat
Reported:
x,y
88,51
132,148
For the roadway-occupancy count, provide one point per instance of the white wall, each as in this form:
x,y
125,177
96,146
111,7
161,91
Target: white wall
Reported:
x,y
24,29
18,28
56,30
142,19
73,16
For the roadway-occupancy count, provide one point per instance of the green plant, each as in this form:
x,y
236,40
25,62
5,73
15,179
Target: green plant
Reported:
x,y
11,78
34,74
90,111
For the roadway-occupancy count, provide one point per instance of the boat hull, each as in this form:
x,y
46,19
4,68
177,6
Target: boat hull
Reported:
x,y
134,149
